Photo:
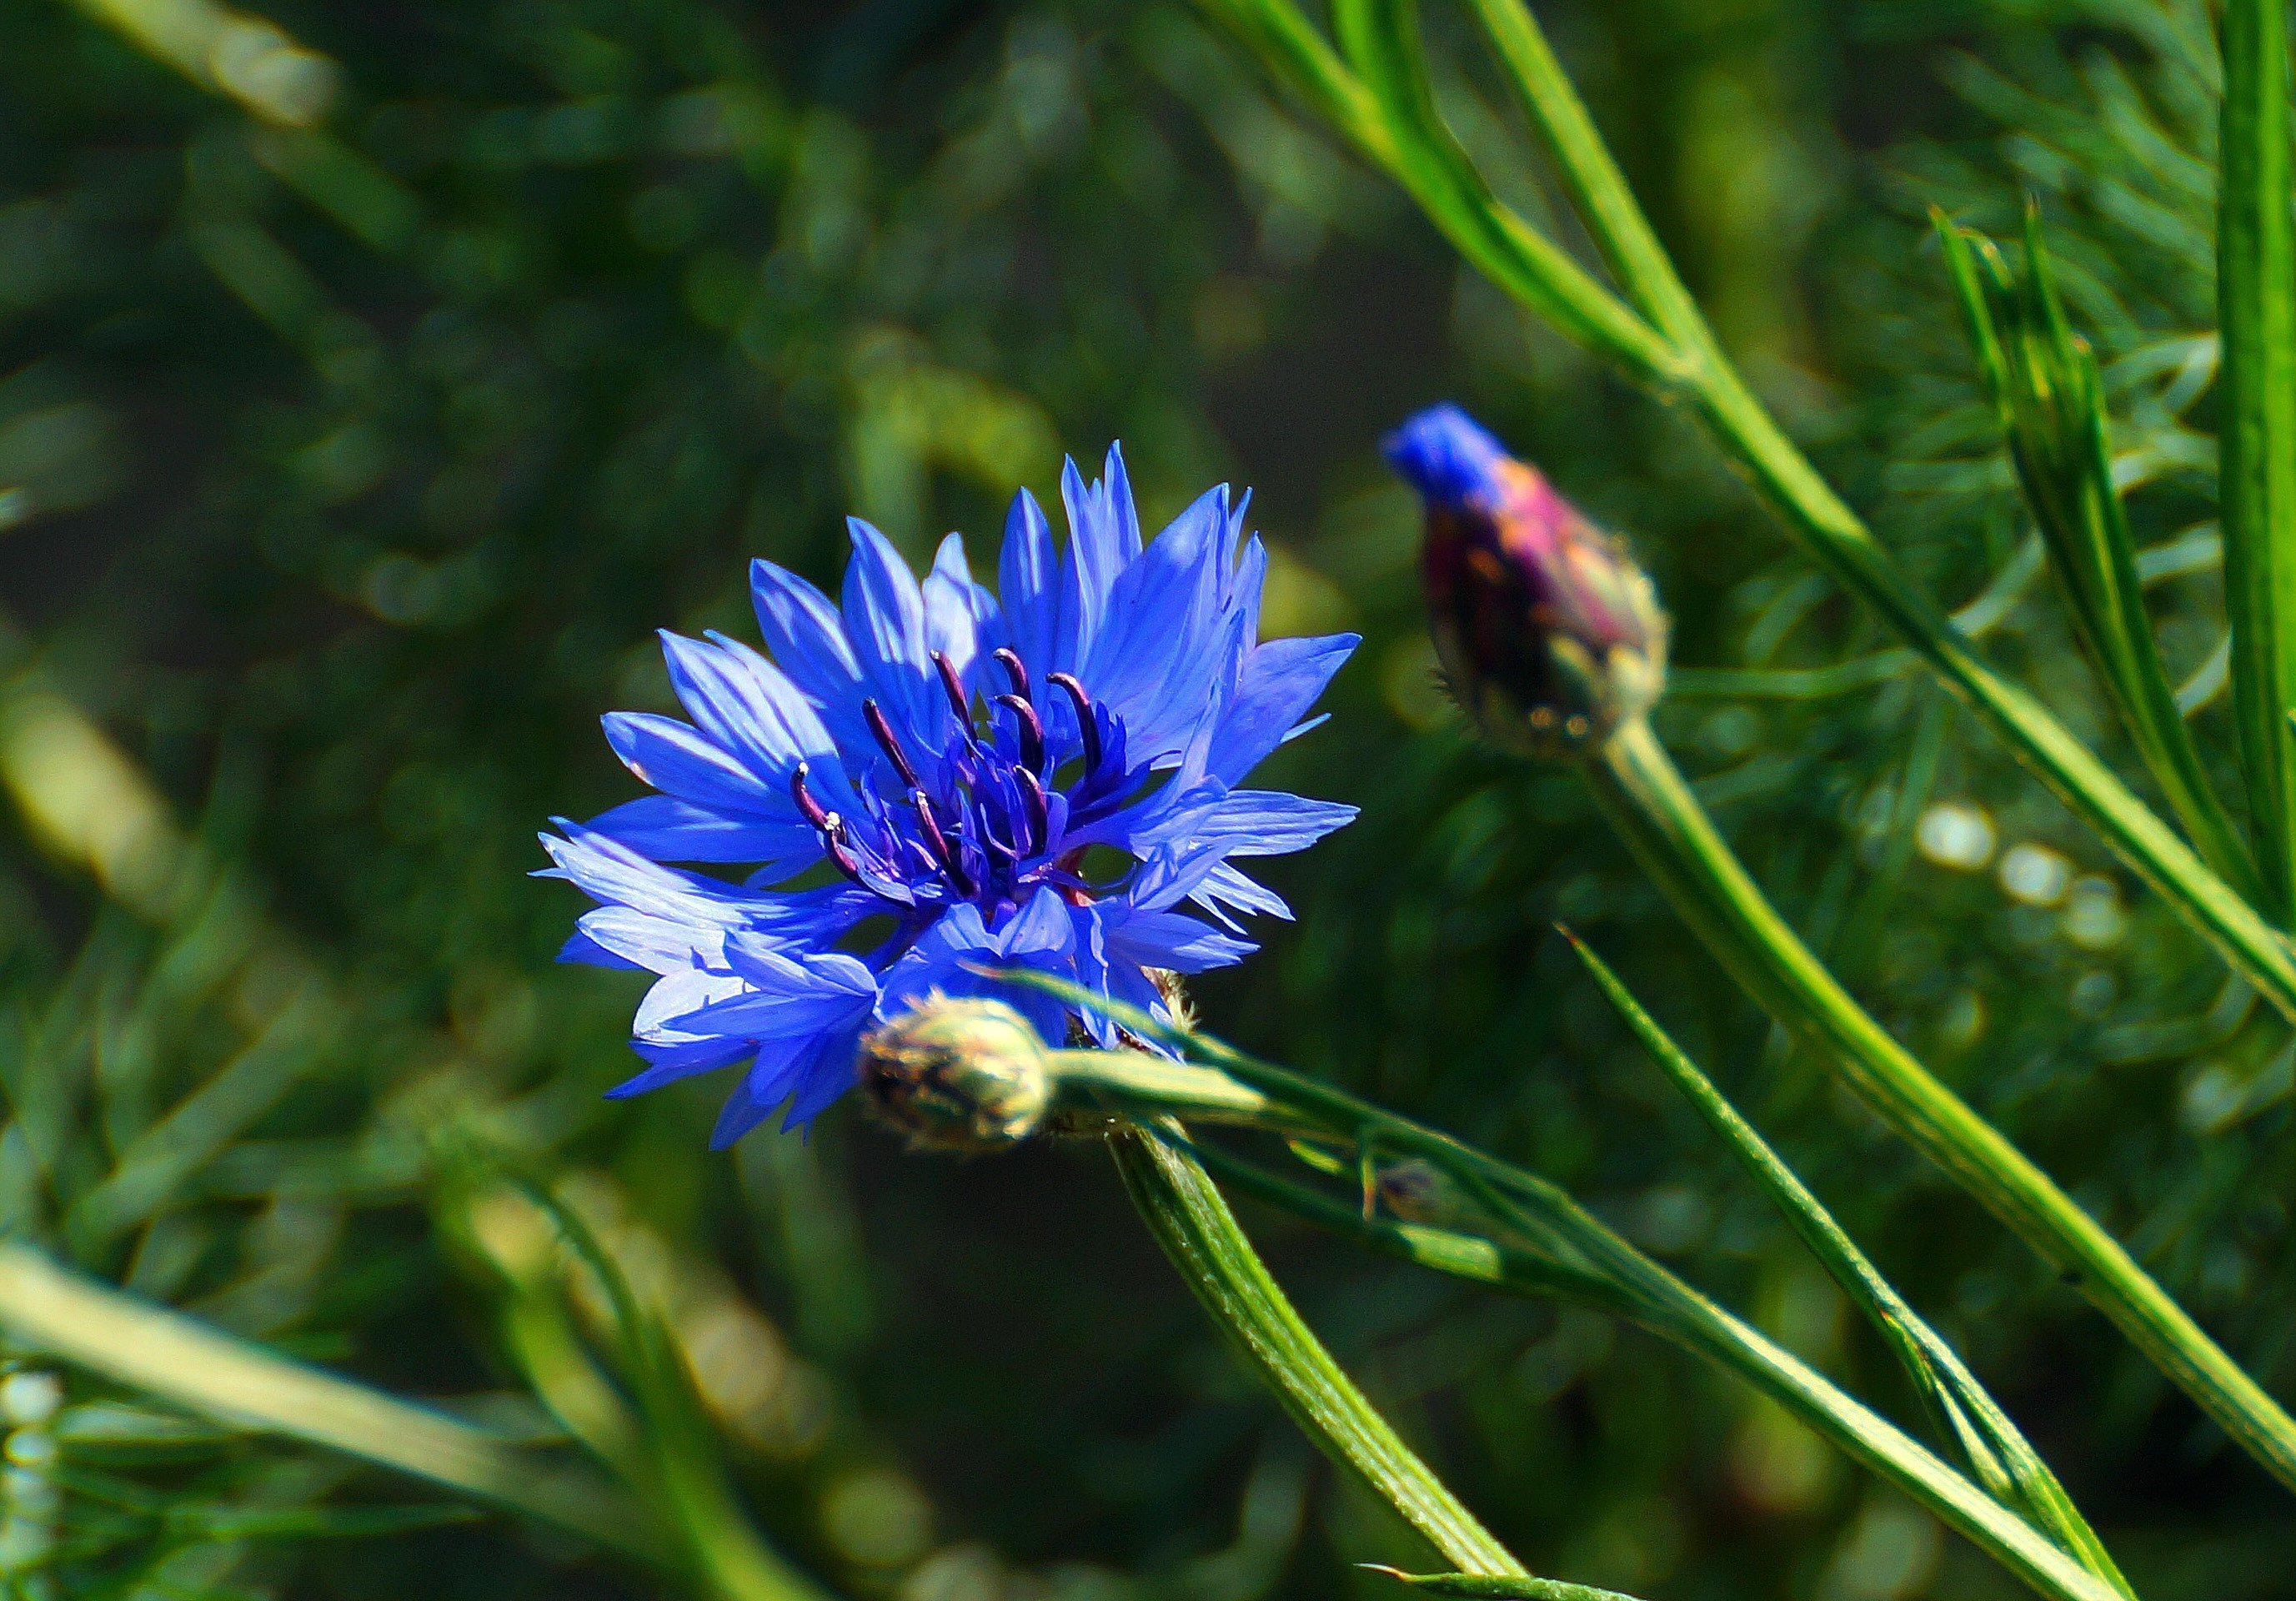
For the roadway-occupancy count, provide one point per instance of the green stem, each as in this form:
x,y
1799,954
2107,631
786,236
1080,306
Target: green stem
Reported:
x,y
1647,799
1201,1235
2256,297
1696,370
1672,1309
2004,1460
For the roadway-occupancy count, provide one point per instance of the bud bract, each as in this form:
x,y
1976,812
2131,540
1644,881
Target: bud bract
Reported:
x,y
958,1074
1550,635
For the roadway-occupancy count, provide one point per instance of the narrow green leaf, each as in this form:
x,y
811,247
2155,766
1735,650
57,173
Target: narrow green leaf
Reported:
x,y
2043,381
2003,1460
1647,800
1376,91
1486,1586
1626,1284
208,1372
2256,298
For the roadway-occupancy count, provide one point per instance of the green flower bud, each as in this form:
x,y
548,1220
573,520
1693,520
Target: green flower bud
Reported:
x,y
958,1075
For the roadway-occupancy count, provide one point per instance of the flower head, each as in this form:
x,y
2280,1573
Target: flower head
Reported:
x,y
923,780
1549,634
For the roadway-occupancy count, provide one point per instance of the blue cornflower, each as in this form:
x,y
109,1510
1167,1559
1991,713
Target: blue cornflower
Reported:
x,y
927,779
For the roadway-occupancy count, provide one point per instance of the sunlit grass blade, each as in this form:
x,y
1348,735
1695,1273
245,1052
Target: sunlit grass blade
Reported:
x,y
1201,1237
2256,439
1485,1587
1996,1452
636,1407
207,1372
2044,386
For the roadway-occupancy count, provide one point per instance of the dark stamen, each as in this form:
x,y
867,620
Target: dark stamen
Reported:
x,y
814,811
840,850
1082,703
1040,822
875,716
936,842
1007,659
1032,732
953,686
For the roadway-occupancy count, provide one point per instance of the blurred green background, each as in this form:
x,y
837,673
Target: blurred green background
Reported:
x,y
374,379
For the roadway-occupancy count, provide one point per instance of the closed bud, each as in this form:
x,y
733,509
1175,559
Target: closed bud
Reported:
x,y
1549,635
958,1075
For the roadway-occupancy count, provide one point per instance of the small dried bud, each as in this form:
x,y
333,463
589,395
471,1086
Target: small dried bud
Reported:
x,y
1417,1191
958,1075
1549,634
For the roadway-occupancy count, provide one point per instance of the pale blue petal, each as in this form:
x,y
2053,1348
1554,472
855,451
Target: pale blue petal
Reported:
x,y
1279,681
671,830
885,623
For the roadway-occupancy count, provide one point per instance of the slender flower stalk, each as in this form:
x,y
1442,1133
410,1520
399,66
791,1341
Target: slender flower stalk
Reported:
x,y
1653,810
1447,1206
1204,1241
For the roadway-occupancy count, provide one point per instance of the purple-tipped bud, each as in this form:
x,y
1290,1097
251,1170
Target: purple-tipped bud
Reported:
x,y
1550,635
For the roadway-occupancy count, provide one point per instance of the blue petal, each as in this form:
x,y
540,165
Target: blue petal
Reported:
x,y
1163,619
1029,577
807,641
1270,822
1103,537
660,945
671,830
1225,886
678,760
610,872
1447,456
885,623
960,616
667,1064
789,992
778,1068
1279,681
579,948
1172,941
749,707
827,1072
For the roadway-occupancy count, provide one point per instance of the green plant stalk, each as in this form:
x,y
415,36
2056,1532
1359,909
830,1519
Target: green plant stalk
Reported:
x,y
1628,1284
1439,177
1576,1258
1201,1235
2004,1459
1834,536
204,1370
2256,435
2049,400
1647,799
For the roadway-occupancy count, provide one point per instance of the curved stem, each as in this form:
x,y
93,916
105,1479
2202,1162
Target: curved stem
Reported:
x,y
1647,799
1672,1309
1201,1235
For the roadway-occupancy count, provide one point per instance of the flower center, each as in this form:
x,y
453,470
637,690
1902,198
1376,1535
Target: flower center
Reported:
x,y
986,822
